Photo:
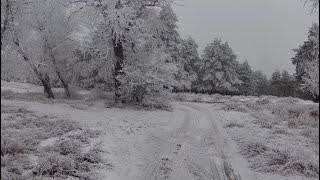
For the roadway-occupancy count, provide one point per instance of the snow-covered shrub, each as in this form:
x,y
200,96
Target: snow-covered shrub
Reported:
x,y
148,80
297,115
292,161
216,97
288,100
312,134
84,136
251,149
181,96
235,105
157,100
67,146
282,160
55,165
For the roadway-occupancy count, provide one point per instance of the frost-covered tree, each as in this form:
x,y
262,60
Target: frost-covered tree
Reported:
x,y
306,56
42,33
56,29
288,85
190,58
314,6
260,84
245,75
148,79
220,68
130,41
311,79
275,83
167,33
123,28
24,41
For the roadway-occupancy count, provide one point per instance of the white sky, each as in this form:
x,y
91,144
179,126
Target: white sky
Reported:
x,y
262,31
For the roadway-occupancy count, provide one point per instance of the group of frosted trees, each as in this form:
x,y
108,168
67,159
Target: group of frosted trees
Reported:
x,y
131,48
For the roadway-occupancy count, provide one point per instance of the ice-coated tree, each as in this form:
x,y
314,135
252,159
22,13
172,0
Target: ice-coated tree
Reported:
x,y
24,40
220,67
314,6
124,28
288,87
245,75
148,79
311,79
275,83
56,27
306,56
260,84
128,35
190,58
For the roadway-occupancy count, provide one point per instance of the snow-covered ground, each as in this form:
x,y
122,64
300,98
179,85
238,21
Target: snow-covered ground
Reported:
x,y
193,141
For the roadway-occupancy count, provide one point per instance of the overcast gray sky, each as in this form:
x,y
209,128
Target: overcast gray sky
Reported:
x,y
262,31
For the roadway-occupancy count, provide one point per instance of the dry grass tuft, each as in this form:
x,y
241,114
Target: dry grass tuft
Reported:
x,y
24,157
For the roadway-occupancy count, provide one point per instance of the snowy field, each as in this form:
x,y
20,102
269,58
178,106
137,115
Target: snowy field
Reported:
x,y
203,137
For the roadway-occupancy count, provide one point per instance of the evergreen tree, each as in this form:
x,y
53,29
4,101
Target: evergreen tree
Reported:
x,y
246,76
276,83
220,68
306,61
260,84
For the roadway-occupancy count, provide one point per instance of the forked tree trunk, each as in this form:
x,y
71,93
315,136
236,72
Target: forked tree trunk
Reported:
x,y
44,78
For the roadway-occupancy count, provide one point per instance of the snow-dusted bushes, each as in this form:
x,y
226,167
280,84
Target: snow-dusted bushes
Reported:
x,y
285,161
235,105
38,147
281,135
148,80
206,98
297,115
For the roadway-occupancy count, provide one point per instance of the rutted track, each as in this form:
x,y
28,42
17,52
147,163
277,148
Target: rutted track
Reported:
x,y
195,150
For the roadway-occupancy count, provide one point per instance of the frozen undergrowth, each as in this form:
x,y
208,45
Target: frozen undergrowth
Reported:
x,y
277,135
37,146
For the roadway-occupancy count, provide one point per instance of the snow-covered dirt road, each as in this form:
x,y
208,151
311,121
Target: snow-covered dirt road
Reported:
x,y
188,143
196,148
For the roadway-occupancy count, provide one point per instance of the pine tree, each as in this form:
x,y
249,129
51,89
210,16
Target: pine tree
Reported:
x,y
220,68
190,58
260,84
306,61
276,83
245,75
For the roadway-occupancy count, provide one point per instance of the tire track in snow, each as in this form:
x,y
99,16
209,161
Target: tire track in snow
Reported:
x,y
192,151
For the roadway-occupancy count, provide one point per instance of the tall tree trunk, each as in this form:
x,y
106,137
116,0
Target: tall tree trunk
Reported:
x,y
118,52
46,85
44,78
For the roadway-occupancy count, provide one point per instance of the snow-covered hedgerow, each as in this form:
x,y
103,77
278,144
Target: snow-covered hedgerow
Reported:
x,y
37,146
